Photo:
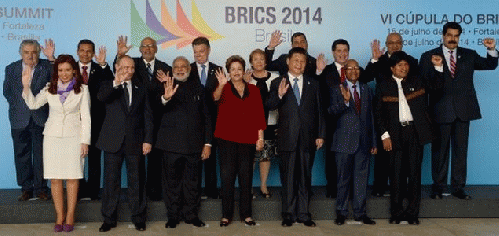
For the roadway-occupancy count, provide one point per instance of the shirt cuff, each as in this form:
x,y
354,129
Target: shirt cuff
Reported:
x,y
318,72
374,60
385,135
115,85
164,101
439,68
207,144
493,53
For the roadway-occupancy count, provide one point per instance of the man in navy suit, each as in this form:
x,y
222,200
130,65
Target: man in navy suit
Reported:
x,y
27,125
453,104
146,70
354,140
204,72
93,74
127,134
301,131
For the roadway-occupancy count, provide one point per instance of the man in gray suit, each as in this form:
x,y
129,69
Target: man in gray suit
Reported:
x,y
353,141
27,125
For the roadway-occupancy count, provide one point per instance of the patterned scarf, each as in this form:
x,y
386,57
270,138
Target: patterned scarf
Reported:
x,y
64,89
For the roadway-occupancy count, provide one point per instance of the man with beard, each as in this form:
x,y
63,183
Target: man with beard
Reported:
x,y
184,136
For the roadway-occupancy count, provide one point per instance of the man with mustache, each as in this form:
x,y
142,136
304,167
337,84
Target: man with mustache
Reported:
x,y
184,136
453,104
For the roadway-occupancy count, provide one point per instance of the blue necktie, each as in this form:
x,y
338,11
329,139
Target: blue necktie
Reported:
x,y
203,74
296,90
149,71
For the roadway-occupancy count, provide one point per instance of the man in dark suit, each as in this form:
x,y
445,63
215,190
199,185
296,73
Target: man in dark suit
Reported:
x,y
185,138
378,68
204,71
298,39
353,142
301,131
146,70
405,126
93,74
27,125
126,134
453,104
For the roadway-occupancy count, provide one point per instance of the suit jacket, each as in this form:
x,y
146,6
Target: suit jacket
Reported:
x,y
281,66
451,98
19,113
387,109
66,119
186,123
123,126
353,131
381,69
210,86
297,125
97,108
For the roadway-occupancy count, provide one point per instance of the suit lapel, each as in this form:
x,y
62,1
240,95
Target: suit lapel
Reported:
x,y
459,61
305,88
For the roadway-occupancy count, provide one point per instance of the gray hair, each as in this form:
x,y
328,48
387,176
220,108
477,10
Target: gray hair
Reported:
x,y
180,58
29,42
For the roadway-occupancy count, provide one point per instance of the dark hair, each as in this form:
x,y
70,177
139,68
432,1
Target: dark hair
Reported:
x,y
297,50
298,34
257,51
397,57
55,76
232,59
201,40
452,25
86,41
340,41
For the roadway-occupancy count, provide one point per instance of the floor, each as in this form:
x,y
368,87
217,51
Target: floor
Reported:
x,y
429,226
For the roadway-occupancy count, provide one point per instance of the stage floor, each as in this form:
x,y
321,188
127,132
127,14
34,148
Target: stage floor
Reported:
x,y
485,204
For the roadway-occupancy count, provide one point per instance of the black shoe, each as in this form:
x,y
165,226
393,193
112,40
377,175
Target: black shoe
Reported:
x,y
461,195
394,220
309,223
413,221
365,220
436,194
287,223
196,222
106,227
172,224
140,226
340,220
25,196
249,222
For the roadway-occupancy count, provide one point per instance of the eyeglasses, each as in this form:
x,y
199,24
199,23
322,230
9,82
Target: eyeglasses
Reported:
x,y
353,68
147,46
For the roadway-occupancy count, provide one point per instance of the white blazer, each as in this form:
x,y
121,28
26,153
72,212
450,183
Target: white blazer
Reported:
x,y
65,119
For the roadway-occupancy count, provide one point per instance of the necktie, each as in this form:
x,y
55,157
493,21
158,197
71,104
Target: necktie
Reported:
x,y
343,74
356,98
203,74
149,70
452,64
296,90
84,74
126,94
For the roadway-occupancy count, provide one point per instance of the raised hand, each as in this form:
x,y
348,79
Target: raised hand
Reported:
x,y
321,62
222,79
437,60
345,92
247,75
275,40
170,89
120,74
375,49
122,45
27,76
49,49
101,57
490,43
283,88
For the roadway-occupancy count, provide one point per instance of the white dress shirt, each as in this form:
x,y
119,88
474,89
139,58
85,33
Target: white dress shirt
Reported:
x,y
404,109
300,82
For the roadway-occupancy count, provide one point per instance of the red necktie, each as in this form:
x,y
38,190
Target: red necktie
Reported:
x,y
452,64
84,74
356,98
343,75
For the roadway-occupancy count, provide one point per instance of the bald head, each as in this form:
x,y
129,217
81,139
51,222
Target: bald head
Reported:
x,y
352,70
393,43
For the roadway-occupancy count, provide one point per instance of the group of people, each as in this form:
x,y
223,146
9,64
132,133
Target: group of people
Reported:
x,y
181,116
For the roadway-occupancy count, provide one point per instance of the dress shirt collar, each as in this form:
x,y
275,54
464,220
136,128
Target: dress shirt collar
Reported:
x,y
206,64
89,65
152,62
399,80
350,85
